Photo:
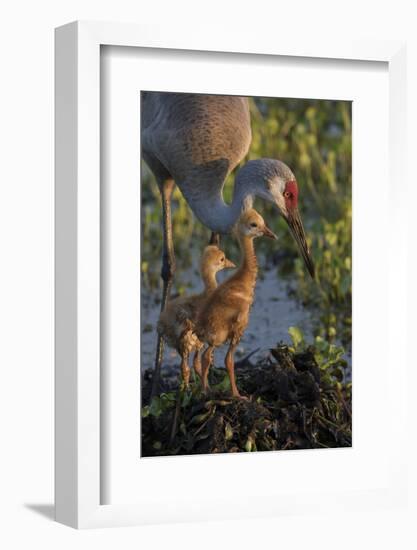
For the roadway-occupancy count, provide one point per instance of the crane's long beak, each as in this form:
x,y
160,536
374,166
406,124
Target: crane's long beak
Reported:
x,y
296,226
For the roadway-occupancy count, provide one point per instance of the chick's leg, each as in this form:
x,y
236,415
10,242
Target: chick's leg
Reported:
x,y
197,364
230,366
207,360
185,368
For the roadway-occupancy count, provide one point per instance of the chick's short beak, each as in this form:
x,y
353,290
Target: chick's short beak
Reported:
x,y
268,233
229,264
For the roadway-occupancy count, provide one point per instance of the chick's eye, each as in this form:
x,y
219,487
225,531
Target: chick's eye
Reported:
x,y
253,224
222,259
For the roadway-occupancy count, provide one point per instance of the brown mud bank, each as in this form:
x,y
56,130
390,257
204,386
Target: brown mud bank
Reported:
x,y
295,400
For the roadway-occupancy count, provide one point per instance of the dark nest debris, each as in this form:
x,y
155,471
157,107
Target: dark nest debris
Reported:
x,y
293,404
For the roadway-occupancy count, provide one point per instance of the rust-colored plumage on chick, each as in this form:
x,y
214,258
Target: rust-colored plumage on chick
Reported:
x,y
176,322
225,314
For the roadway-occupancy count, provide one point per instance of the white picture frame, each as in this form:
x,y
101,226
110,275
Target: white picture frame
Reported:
x,y
78,501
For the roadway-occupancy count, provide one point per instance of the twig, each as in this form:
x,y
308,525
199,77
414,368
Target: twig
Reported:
x,y
205,422
342,399
327,421
241,363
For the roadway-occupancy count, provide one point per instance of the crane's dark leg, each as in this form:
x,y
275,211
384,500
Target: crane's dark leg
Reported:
x,y
167,272
215,238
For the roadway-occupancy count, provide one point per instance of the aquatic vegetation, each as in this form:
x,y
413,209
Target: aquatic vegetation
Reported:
x,y
298,400
330,358
332,293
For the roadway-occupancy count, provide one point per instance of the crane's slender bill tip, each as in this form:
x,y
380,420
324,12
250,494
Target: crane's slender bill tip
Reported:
x,y
296,227
311,268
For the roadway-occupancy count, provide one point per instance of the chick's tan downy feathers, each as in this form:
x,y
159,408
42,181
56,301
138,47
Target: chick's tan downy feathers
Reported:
x,y
176,322
225,314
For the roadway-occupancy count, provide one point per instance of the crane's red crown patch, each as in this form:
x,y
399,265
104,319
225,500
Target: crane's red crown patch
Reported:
x,y
291,195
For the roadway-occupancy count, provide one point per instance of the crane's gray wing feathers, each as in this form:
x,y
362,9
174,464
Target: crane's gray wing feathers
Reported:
x,y
197,139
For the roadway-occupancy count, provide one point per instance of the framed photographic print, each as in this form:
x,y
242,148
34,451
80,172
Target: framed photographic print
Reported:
x,y
221,212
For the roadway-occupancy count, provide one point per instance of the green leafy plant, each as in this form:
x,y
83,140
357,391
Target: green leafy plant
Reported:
x,y
330,358
297,338
159,405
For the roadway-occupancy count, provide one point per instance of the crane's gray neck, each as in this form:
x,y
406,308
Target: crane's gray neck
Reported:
x,y
255,178
219,216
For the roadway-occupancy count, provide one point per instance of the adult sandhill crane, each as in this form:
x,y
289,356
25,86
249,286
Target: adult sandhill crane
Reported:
x,y
195,141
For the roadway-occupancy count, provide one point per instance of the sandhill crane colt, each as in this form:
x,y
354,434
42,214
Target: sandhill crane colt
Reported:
x,y
195,141
224,316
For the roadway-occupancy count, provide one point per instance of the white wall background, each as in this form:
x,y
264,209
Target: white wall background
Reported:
x,y
26,272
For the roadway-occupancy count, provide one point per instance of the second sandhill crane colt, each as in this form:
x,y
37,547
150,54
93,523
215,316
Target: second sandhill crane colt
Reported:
x,y
176,322
195,141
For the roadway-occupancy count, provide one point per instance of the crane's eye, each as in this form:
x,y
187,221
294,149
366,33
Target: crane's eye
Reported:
x,y
253,224
287,194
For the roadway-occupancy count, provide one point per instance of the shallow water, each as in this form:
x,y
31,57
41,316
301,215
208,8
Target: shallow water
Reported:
x,y
272,313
